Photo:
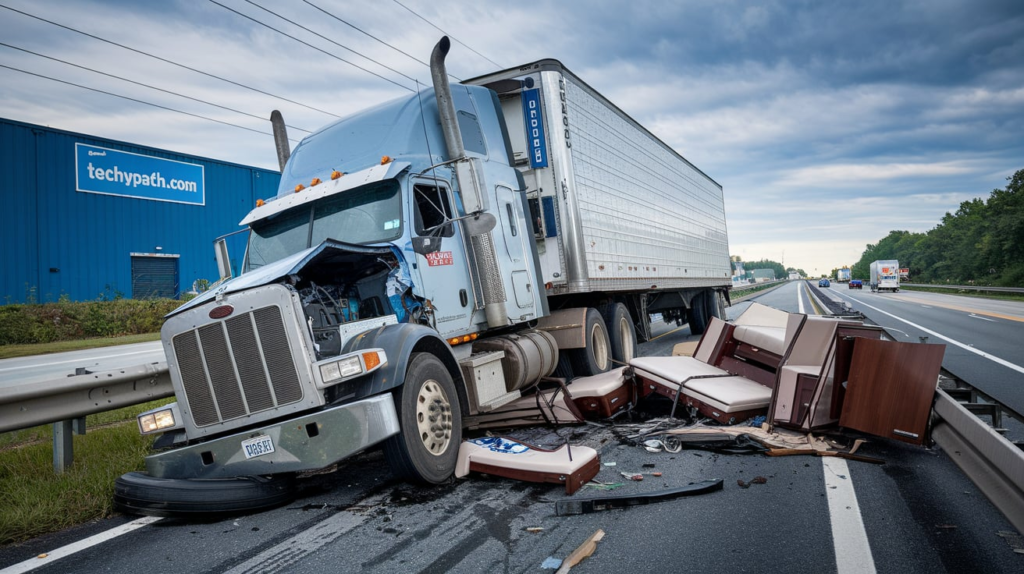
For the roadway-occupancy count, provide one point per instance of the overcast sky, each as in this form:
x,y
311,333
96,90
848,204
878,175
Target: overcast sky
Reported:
x,y
828,123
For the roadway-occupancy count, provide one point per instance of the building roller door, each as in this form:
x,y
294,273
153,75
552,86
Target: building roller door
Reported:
x,y
154,277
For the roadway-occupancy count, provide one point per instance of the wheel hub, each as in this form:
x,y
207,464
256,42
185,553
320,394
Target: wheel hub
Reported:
x,y
434,417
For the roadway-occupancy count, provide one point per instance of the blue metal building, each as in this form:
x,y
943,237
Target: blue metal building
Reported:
x,y
89,217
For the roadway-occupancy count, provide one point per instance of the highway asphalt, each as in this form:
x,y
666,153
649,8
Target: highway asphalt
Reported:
x,y
919,514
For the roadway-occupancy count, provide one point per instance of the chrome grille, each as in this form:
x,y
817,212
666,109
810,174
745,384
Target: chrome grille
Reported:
x,y
225,366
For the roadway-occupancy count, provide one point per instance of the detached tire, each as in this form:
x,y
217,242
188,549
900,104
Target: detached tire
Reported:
x,y
595,358
621,333
427,447
140,493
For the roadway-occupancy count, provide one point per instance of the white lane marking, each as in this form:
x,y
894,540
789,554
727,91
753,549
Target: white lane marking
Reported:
x,y
927,306
988,356
799,298
65,551
983,318
296,548
93,360
853,551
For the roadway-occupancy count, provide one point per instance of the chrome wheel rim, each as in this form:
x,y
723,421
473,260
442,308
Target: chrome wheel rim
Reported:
x,y
433,417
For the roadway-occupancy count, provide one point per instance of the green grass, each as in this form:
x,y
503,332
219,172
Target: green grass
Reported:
x,y
37,501
968,293
11,351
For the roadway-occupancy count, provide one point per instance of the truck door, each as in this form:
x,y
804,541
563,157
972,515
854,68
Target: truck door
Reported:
x,y
512,249
445,273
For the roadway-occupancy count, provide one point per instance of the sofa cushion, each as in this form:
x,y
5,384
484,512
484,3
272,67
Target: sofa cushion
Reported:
x,y
674,370
597,385
771,339
729,394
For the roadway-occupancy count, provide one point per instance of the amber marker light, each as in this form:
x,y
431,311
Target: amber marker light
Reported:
x,y
299,188
260,203
371,360
315,182
336,174
385,159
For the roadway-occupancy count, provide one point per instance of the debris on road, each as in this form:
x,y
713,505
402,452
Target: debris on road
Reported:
x,y
589,505
534,529
569,465
584,550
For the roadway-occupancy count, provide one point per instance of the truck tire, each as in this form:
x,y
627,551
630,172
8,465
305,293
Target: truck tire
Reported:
x,y
621,333
595,357
427,447
698,313
140,493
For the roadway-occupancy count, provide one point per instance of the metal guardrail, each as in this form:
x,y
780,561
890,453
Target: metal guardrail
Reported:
x,y
66,401
967,287
994,464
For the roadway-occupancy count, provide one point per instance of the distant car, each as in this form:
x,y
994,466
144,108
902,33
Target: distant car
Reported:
x,y
856,284
823,283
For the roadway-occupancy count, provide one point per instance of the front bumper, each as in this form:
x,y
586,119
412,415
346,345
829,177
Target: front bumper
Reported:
x,y
304,443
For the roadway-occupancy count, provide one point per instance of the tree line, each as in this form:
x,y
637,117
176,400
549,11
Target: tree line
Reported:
x,y
981,243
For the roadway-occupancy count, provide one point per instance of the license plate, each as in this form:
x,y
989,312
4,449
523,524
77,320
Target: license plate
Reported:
x,y
257,446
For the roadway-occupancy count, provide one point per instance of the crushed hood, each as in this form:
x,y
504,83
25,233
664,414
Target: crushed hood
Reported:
x,y
290,265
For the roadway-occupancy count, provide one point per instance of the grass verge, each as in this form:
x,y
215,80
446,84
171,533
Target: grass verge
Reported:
x,y
968,293
11,351
37,501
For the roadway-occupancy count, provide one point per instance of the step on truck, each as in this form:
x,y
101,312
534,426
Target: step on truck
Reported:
x,y
885,276
424,262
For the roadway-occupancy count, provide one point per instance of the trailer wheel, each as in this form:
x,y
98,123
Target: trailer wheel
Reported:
x,y
698,313
427,447
595,357
621,334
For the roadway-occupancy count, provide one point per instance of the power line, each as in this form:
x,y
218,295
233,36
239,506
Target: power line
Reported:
x,y
447,34
303,42
342,46
144,85
365,33
165,60
136,100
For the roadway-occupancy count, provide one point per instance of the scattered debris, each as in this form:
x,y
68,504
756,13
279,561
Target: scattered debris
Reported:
x,y
588,505
41,556
551,563
649,465
586,549
755,480
632,476
535,529
846,455
945,526
655,474
609,464
604,485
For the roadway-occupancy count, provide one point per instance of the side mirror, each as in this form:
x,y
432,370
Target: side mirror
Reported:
x,y
220,251
479,224
426,244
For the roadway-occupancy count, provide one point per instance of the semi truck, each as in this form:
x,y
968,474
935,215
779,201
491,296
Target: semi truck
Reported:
x,y
842,275
423,263
885,276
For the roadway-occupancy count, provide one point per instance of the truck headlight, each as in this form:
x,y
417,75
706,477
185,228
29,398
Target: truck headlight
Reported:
x,y
159,419
336,370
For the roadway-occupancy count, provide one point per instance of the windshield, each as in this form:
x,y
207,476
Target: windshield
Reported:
x,y
368,214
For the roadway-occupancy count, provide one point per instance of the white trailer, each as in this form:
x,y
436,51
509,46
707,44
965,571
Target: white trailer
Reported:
x,y
885,275
617,213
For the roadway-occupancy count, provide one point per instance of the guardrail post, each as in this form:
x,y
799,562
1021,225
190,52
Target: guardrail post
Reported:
x,y
63,446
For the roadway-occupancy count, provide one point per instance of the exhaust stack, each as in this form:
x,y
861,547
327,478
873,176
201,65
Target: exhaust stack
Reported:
x,y
469,173
280,138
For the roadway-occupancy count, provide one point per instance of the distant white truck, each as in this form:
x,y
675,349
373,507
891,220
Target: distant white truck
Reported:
x,y
885,275
842,275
